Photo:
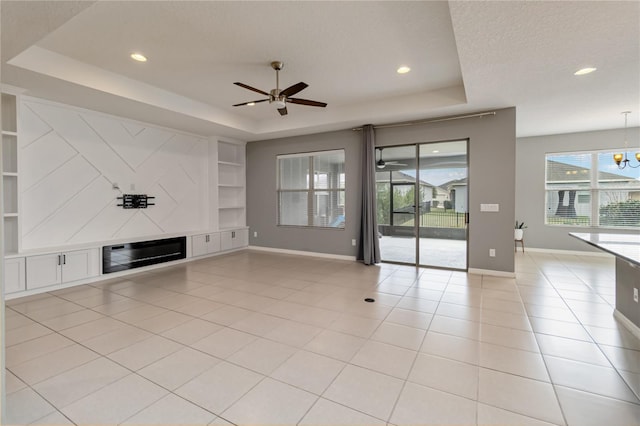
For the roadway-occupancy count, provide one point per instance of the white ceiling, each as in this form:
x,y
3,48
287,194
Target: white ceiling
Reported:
x,y
465,57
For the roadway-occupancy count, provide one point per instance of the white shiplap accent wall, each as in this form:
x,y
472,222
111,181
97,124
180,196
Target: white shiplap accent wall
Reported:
x,y
69,159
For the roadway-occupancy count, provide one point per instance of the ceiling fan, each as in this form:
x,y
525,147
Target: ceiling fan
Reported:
x,y
381,164
281,97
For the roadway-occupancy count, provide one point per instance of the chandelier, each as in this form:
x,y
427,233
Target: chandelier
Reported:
x,y
621,159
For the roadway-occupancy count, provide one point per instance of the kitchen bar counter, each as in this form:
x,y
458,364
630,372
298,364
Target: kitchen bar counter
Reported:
x,y
626,249
624,246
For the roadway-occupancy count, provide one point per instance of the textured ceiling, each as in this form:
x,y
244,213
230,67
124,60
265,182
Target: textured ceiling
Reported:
x,y
465,57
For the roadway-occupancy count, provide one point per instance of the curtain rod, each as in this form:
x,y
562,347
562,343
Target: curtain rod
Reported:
x,y
435,120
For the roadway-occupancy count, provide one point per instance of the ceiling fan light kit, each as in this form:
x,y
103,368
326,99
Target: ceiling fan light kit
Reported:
x,y
381,164
278,97
620,159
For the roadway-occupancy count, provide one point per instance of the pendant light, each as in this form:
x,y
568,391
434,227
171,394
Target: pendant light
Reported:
x,y
621,159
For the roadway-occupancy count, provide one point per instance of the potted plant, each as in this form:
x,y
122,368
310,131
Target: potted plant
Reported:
x,y
519,230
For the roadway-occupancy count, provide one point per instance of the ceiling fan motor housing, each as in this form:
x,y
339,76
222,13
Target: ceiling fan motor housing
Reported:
x,y
276,98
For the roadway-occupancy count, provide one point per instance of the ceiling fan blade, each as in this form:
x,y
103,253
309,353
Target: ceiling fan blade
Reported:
x,y
251,88
252,102
292,90
306,102
282,111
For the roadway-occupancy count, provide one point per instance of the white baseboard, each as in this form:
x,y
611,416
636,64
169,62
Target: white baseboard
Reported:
x,y
570,252
303,253
491,273
634,329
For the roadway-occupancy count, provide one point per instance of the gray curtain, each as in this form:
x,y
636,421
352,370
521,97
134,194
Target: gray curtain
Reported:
x,y
369,246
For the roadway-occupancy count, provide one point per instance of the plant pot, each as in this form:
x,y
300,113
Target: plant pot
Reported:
x,y
518,234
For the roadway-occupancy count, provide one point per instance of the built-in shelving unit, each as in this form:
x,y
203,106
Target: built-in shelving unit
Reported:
x,y
10,172
33,271
231,185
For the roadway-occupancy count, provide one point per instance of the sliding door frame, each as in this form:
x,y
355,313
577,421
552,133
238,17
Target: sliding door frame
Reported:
x,y
416,213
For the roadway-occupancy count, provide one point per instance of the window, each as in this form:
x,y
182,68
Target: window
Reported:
x,y
311,189
588,189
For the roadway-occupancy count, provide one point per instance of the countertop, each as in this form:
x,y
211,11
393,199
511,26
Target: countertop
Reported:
x,y
624,246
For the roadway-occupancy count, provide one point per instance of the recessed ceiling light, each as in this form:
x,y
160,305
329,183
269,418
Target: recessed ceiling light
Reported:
x,y
251,104
403,70
584,71
138,57
435,151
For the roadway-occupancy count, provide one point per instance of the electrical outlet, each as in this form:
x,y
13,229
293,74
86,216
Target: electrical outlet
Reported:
x,y
635,295
353,242
492,252
255,234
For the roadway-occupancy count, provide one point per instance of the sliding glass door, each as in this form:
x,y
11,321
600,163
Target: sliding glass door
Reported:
x,y
422,204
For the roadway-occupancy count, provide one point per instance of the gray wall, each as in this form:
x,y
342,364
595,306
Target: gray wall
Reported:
x,y
491,180
627,278
530,178
262,201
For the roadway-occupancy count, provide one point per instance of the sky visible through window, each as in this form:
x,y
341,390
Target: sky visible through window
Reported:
x,y
438,177
605,160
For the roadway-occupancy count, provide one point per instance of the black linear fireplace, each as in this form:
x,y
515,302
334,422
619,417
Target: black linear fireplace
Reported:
x,y
120,257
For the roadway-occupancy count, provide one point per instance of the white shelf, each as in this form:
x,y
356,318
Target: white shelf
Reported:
x,y
231,185
10,234
231,153
10,195
9,153
229,163
229,228
9,168
9,114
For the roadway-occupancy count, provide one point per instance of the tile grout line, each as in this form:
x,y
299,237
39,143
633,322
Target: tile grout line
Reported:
x,y
404,384
598,345
544,361
295,347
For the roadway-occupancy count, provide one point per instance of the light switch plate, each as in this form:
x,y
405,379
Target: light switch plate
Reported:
x,y
490,208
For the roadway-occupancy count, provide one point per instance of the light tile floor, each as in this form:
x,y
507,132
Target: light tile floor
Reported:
x,y
435,252
260,338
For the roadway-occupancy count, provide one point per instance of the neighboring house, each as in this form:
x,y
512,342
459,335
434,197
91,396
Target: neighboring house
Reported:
x,y
401,185
458,193
442,195
565,197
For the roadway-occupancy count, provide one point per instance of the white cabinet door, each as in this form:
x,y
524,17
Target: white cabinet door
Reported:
x,y
240,238
205,244
198,245
44,270
80,264
230,240
226,241
214,243
14,275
